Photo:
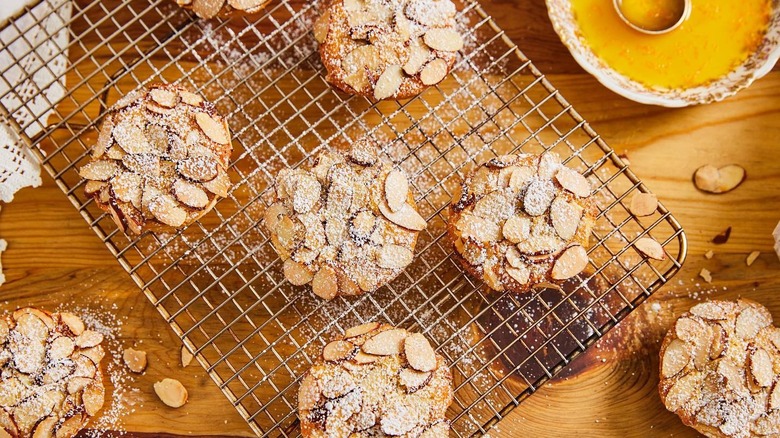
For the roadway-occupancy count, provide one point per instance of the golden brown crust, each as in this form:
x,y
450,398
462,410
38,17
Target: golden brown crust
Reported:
x,y
51,380
333,226
387,49
223,8
351,392
515,225
720,370
160,161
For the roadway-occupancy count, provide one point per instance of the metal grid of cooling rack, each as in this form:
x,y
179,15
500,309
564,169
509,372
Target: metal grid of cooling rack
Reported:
x,y
219,283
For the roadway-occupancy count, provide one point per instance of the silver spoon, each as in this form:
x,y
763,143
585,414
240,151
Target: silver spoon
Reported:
x,y
685,12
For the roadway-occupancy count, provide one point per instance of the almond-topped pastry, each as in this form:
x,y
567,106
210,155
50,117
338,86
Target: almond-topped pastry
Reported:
x,y
347,226
161,160
387,49
720,370
376,381
223,8
521,220
51,381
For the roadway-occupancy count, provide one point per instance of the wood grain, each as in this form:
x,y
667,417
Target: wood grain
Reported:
x,y
610,391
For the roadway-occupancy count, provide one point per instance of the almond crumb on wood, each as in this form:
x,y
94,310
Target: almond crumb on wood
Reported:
x,y
752,257
186,356
708,255
171,392
706,275
135,360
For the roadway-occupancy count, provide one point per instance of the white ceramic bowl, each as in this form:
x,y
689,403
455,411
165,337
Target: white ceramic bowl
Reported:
x,y
756,66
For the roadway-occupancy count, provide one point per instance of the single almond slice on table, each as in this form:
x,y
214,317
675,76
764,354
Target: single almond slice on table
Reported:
x,y
386,343
171,392
186,356
650,248
715,180
643,204
706,275
419,353
135,360
337,351
676,358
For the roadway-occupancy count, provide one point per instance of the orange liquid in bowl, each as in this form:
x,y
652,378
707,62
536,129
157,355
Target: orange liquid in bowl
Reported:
x,y
717,37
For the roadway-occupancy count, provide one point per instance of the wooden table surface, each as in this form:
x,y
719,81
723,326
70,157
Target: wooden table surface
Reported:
x,y
54,258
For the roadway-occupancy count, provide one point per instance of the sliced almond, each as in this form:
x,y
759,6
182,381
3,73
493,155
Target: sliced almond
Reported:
x,y
362,358
406,217
71,426
100,170
325,283
190,194
5,330
164,97
214,129
565,217
186,356
774,397
135,360
171,392
570,263
92,187
147,165
413,380
128,187
711,179
93,398
517,229
650,248
643,204
418,56
364,151
389,82
44,429
767,425
538,197
396,190
709,310
309,392
750,321
33,409
520,176
477,228
520,274
676,358
88,338
386,343
761,367
361,329
307,193
44,317
321,26
296,273
445,39
683,390
752,257
166,210
190,98
73,322
337,351
394,257
356,64
131,137
434,72
419,353
85,367
573,181
219,185
198,168
719,342
56,372
61,348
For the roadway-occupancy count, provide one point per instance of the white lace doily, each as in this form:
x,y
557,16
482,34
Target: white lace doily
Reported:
x,y
32,64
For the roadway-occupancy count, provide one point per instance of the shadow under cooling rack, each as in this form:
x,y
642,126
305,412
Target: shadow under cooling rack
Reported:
x,y
219,283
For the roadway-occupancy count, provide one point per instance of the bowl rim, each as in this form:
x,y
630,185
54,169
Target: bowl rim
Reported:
x,y
600,69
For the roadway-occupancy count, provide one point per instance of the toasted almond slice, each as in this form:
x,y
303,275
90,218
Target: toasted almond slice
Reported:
x,y
164,97
643,204
419,353
186,356
520,274
337,351
171,392
73,322
321,26
44,317
93,398
750,321
513,257
115,152
477,228
573,260
752,257
394,257
761,367
44,429
364,151
214,129
88,338
520,176
389,82
147,165
650,248
159,139
100,170
190,194
538,197
77,384
198,168
386,343
434,72
719,180
565,217
413,380
683,390
248,6
296,273
60,348
774,397
709,310
85,367
307,193
71,426
4,331
309,392
219,185
406,217
135,360
676,358
131,137
93,187
767,425
33,409
361,329
325,283
166,210
128,187
190,98
573,181
357,62
517,229
418,56
445,39
104,139
363,358
207,9
396,190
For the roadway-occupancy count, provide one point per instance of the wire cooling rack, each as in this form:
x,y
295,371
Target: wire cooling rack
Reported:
x,y
219,283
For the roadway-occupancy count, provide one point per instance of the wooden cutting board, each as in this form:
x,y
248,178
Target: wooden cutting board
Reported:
x,y
54,258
